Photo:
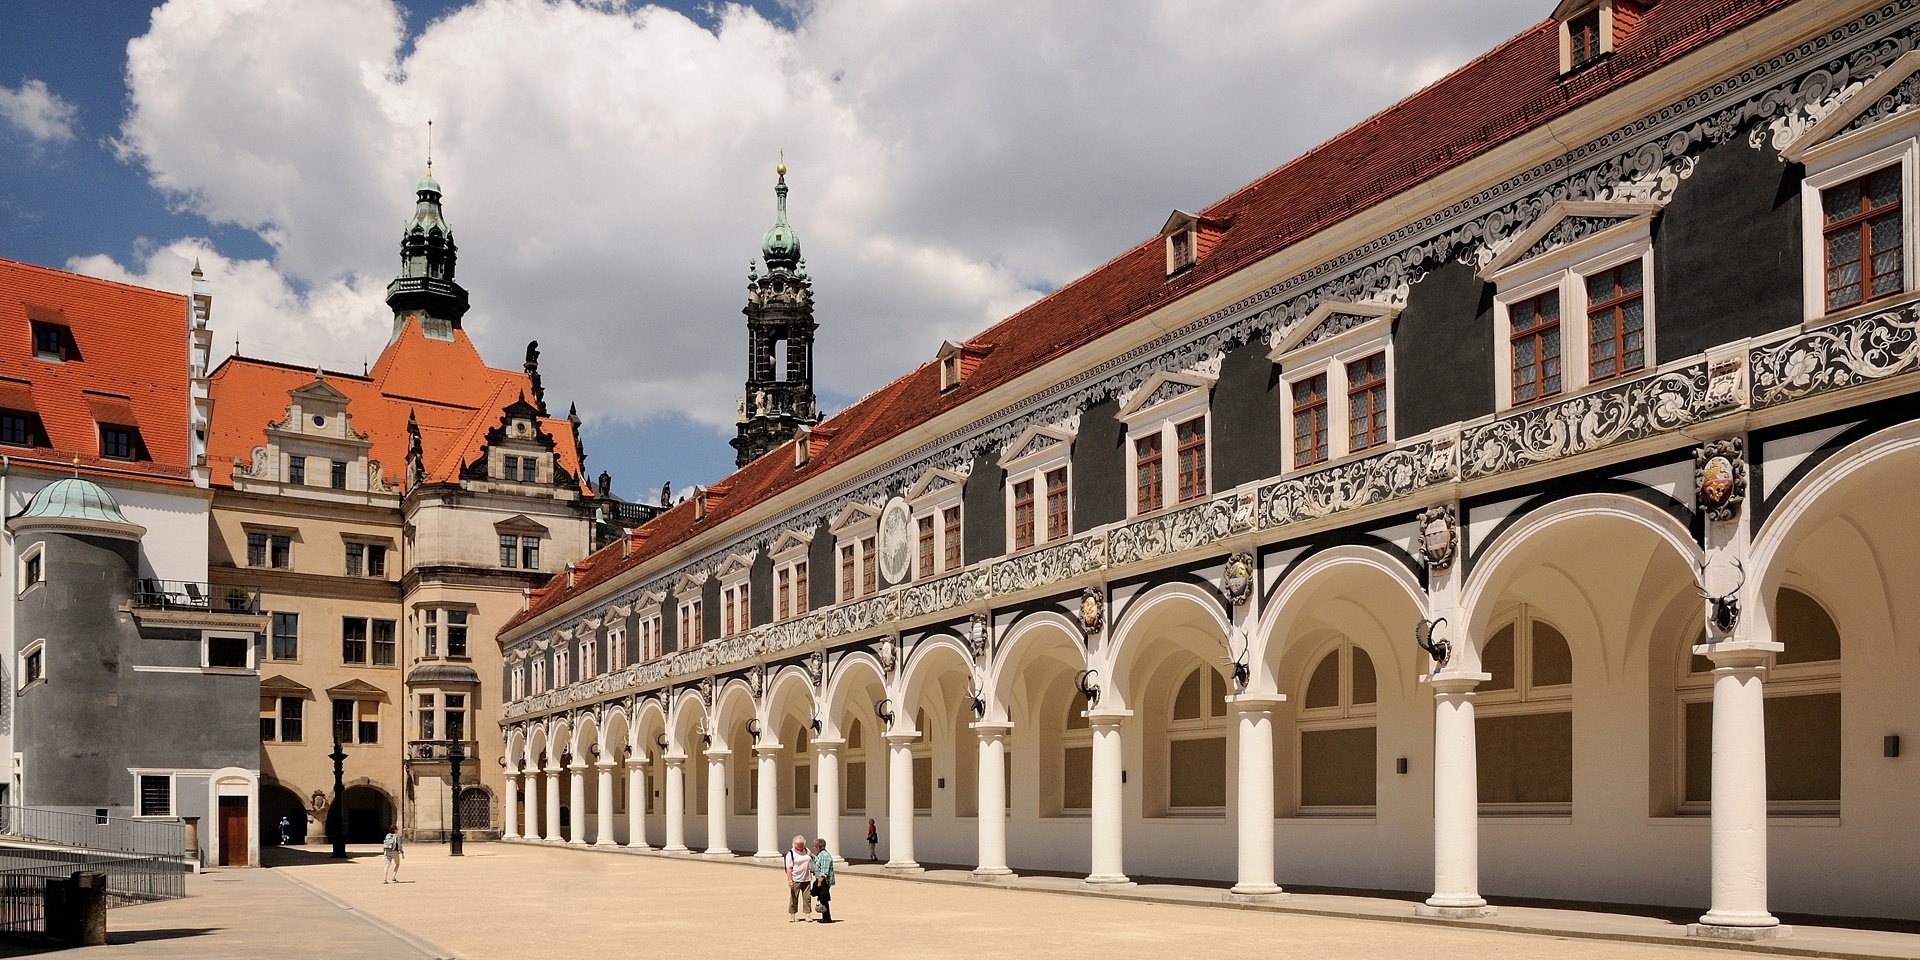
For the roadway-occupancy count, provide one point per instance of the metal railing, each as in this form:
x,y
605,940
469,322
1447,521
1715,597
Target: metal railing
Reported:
x,y
156,838
196,595
24,875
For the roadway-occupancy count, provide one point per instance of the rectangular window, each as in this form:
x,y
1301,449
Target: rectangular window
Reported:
x,y
430,635
383,646
562,668
1583,38
1616,322
337,476
925,532
343,717
456,633
509,549
297,470
156,796
32,574
740,598
356,558
1182,250
1863,237
869,567
1310,421
784,594
353,640
292,719
16,429
456,716
539,668
229,652
616,647
1192,440
950,520
376,560
800,588
1023,515
256,549
1536,347
426,716
116,443
846,572
35,668
49,341
1366,403
1146,474
530,553
269,719
269,551
728,624
517,683
369,718
587,661
1338,767
286,636
1057,504
510,468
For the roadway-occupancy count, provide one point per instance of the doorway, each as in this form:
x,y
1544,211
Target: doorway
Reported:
x,y
368,814
233,831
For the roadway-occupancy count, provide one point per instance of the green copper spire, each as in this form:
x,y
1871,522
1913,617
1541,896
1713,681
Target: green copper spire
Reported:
x,y
780,248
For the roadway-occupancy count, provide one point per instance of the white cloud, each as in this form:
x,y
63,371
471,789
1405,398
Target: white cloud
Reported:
x,y
608,166
37,112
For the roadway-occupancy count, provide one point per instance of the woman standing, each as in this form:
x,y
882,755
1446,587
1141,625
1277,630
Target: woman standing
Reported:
x,y
823,880
873,842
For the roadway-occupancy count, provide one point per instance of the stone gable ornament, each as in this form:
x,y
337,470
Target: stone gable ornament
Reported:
x,y
977,635
1092,611
1439,536
1720,476
817,666
1237,581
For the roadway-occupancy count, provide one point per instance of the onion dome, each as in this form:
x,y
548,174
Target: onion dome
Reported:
x,y
780,248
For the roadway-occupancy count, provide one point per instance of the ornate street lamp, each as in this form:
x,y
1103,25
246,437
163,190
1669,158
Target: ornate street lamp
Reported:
x,y
456,841
337,814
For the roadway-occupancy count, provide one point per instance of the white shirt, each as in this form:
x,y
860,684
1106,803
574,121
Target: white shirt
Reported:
x,y
799,866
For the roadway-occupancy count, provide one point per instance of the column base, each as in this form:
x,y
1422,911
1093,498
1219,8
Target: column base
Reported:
x,y
768,859
720,854
605,843
639,847
1254,893
1457,910
675,850
902,866
993,875
576,843
1107,882
1722,931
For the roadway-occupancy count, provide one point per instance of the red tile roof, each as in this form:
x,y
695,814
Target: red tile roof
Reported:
x,y
1500,95
444,384
130,368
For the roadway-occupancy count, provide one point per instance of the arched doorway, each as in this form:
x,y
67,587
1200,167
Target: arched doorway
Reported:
x,y
279,803
368,814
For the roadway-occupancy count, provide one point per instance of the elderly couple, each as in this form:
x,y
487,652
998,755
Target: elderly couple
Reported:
x,y
809,878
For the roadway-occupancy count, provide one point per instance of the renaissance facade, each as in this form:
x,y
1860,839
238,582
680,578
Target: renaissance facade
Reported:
x,y
1506,497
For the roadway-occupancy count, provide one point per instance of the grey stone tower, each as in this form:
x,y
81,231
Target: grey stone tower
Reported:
x,y
780,329
425,288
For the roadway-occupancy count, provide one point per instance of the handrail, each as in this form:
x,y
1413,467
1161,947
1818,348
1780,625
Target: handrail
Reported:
x,y
159,838
196,595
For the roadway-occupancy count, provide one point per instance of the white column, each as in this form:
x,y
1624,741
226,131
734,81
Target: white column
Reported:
x,y
676,804
512,808
577,800
826,775
533,805
767,798
1109,863
1739,803
900,803
636,804
603,824
1254,803
717,804
992,781
553,807
1456,802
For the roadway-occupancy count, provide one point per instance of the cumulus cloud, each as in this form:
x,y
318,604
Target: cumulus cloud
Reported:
x,y
608,166
37,112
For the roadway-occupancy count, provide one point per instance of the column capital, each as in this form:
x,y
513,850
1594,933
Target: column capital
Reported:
x,y
993,728
1739,654
902,738
1250,702
1106,717
1455,682
768,748
717,753
606,763
637,760
675,759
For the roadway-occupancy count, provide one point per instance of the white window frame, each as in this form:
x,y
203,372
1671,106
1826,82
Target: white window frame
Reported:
x,y
617,646
1035,466
517,682
1606,34
734,575
537,673
693,614
173,793
648,626
206,651
1838,162
39,552
789,552
930,497
1343,715
1565,270
857,522
588,658
38,646
1330,357
1165,418
562,660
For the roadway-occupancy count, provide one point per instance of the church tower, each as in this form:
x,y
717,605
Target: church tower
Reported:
x,y
425,289
780,329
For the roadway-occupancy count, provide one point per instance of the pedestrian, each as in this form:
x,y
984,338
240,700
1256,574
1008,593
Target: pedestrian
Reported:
x,y
283,831
391,853
799,881
823,880
873,842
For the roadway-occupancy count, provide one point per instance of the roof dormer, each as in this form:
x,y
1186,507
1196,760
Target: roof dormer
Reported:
x,y
1591,29
957,362
1188,238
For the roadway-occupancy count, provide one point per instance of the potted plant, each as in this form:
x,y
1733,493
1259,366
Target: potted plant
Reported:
x,y
237,599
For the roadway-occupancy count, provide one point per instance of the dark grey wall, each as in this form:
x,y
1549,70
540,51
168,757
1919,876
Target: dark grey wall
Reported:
x,y
983,517
710,608
1726,254
822,571
1099,468
760,590
1246,417
1443,351
670,623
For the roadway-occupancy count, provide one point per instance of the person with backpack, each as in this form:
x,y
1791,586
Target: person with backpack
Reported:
x,y
799,864
390,852
823,880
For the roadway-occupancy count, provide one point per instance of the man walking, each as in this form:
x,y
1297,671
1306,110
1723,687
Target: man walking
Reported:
x,y
823,880
799,881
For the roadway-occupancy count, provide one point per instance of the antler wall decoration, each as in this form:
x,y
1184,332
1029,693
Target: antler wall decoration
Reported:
x,y
1723,610
1440,650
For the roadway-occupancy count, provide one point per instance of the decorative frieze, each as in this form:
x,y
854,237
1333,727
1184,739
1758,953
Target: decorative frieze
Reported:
x,y
1835,356
1047,565
1589,422
1174,531
1355,484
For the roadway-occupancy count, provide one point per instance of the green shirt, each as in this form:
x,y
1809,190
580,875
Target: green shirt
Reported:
x,y
823,867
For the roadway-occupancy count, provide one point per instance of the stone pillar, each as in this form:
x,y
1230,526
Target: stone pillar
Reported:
x,y
553,807
676,804
1739,803
992,779
826,774
900,803
1456,802
767,798
577,804
1109,862
603,824
534,822
717,804
637,797
511,808
1254,801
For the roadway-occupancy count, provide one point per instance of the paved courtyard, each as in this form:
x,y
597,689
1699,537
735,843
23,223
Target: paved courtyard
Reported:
x,y
521,902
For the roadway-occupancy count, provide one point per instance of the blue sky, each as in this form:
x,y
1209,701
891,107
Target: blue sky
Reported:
x,y
607,165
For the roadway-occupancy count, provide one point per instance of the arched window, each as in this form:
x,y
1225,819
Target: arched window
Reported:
x,y
1339,753
1197,744
1802,715
1076,763
854,798
476,811
1524,719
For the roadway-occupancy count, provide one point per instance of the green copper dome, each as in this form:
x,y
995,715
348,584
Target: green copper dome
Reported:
x,y
75,502
780,248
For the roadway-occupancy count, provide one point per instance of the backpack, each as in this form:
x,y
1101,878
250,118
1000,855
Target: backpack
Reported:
x,y
391,843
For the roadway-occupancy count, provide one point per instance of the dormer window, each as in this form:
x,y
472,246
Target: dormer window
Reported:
x,y
1188,238
957,362
1591,29
50,342
1180,251
1583,38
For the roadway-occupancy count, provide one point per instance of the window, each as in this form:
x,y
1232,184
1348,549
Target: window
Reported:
x,y
476,810
33,664
517,683
1583,38
456,633
734,610
356,557
286,636
783,593
367,720
1310,421
33,566
1535,346
17,429
1524,726
1023,515
1863,238
426,716
790,578
538,668
950,519
562,667
353,640
343,717
651,637
430,634
509,549
1367,402
530,553
269,550
1057,509
617,646
297,470
869,567
1181,245
925,532
588,661
846,572
1197,743
376,560
229,652
383,643
292,719
691,624
49,342
1616,322
1192,439
510,468
116,443
456,716
337,476
1146,474
156,795
1338,751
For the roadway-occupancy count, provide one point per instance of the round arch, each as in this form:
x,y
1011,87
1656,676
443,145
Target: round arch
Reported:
x,y
1185,614
1340,588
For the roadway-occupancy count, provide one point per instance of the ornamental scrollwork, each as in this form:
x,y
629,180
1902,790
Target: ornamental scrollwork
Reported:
x,y
1594,421
1346,486
1038,568
1836,356
1172,532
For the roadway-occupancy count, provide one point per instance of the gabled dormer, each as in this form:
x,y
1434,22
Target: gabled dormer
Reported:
x,y
1593,29
957,362
1188,238
520,456
314,445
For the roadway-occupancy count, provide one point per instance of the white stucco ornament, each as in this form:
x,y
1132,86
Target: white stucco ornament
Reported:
x,y
896,540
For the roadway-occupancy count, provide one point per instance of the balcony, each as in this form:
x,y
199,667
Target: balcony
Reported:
x,y
189,595
437,749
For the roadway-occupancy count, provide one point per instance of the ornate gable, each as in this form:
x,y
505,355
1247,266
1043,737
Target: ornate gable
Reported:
x,y
1891,93
1332,321
519,429
1162,389
736,564
933,484
1565,223
1037,441
789,542
855,515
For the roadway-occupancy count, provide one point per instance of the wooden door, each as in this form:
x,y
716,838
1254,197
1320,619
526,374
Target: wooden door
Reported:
x,y
233,831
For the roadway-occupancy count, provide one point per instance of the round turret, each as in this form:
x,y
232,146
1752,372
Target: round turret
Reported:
x,y
79,504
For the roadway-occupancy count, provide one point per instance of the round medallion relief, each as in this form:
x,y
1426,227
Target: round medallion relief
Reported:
x,y
896,540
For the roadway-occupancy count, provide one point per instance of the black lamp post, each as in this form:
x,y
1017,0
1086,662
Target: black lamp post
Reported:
x,y
337,814
456,842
